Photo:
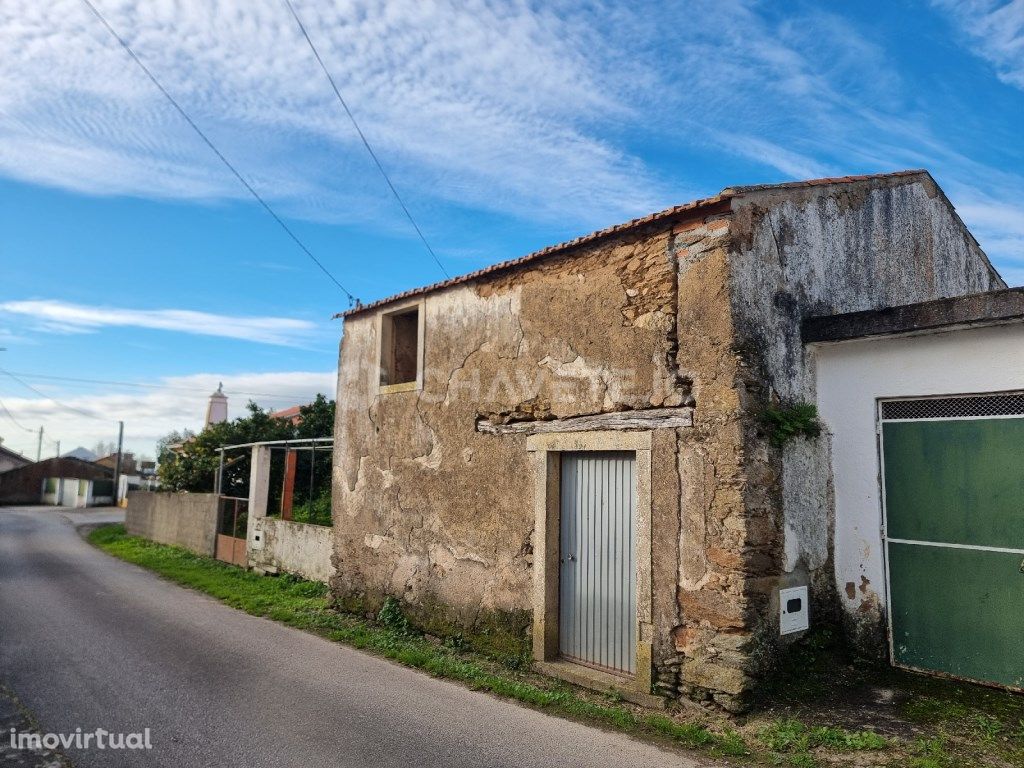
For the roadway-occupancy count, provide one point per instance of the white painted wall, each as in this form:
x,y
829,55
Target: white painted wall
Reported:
x,y
298,548
69,492
851,377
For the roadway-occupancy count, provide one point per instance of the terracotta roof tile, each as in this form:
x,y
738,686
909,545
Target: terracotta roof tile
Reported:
x,y
694,205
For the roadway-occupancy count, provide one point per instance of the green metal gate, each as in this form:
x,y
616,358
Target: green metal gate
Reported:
x,y
953,498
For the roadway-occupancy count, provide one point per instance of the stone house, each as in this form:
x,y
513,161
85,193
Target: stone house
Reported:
x,y
567,451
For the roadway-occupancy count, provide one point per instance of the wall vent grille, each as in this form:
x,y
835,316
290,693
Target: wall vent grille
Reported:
x,y
954,407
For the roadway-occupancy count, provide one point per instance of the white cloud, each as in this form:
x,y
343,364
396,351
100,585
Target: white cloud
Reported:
x,y
174,403
1000,227
807,93
792,164
540,110
65,317
492,106
995,32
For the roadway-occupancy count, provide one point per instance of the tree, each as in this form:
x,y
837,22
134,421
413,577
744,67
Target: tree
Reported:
x,y
189,462
104,448
317,418
312,495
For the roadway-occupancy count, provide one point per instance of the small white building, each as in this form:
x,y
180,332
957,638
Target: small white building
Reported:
x,y
11,459
924,409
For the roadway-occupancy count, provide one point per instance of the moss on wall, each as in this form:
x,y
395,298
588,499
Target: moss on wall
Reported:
x,y
501,635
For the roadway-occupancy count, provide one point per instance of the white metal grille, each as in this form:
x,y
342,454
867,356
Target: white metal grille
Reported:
x,y
954,407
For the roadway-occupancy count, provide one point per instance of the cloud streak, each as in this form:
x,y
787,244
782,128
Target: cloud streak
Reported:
x,y
64,317
471,103
175,403
807,92
555,113
995,31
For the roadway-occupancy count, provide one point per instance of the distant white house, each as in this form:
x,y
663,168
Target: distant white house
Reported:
x,y
11,459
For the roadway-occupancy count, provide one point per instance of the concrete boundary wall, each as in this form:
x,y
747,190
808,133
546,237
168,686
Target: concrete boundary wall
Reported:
x,y
186,520
283,546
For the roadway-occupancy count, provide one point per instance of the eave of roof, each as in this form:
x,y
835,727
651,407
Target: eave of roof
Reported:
x,y
975,309
4,449
669,213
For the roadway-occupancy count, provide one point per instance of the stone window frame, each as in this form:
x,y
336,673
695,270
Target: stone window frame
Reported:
x,y
396,309
546,451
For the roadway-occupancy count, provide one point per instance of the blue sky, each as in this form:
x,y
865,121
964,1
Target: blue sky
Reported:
x,y
129,254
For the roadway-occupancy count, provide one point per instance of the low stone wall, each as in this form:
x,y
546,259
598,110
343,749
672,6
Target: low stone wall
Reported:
x,y
186,520
284,546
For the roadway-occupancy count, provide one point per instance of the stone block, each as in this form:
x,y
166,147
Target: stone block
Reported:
x,y
714,676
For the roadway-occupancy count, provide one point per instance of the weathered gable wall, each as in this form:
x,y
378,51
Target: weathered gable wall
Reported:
x,y
431,510
818,250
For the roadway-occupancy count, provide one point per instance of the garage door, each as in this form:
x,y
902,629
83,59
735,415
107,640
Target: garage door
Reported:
x,y
953,471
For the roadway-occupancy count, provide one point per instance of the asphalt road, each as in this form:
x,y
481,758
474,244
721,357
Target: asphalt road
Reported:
x,y
87,641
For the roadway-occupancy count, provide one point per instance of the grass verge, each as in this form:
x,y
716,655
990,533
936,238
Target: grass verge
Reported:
x,y
305,605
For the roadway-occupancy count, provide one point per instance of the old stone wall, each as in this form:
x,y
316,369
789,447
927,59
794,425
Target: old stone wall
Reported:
x,y
186,520
439,514
702,311
722,541
818,250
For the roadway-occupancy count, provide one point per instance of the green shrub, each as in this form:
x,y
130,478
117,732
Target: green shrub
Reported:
x,y
315,512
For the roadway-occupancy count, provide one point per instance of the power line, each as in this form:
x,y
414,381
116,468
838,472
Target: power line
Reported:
x,y
109,382
217,152
362,136
10,416
53,399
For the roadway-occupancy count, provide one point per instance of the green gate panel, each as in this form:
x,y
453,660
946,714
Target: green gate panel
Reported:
x,y
955,481
959,611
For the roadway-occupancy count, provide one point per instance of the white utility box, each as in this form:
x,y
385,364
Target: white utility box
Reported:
x,y
793,610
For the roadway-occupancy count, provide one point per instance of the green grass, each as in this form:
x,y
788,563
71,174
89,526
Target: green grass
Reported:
x,y
789,735
795,741
931,753
956,723
305,605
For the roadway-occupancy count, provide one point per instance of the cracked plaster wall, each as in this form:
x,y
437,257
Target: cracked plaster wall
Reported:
x,y
429,509
824,250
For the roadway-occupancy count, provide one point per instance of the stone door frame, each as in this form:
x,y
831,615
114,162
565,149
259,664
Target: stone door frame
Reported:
x,y
546,450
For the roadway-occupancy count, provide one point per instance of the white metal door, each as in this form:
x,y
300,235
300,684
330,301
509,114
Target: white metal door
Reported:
x,y
597,586
68,491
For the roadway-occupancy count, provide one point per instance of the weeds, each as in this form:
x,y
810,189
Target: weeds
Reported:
x,y
931,753
988,727
786,422
391,617
797,740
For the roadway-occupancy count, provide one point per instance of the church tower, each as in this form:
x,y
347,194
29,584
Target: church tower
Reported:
x,y
217,409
